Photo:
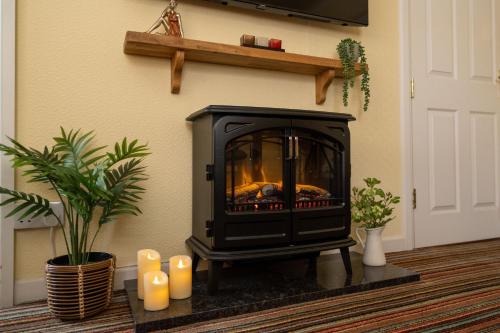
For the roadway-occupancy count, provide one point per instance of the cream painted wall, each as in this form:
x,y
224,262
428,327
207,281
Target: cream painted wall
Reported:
x,y
71,71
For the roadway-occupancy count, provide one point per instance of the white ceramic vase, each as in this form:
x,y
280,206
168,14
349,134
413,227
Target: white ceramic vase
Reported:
x,y
373,251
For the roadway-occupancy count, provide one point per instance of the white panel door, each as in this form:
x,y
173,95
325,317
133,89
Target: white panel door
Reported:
x,y
456,119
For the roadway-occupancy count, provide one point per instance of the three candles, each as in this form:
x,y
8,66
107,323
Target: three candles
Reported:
x,y
155,287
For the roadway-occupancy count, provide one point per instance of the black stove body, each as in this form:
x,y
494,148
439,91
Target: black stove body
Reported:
x,y
269,183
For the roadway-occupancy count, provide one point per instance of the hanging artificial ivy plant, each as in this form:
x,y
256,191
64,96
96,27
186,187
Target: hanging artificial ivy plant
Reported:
x,y
349,52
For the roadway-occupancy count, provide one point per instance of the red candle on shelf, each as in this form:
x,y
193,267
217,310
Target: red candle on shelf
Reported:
x,y
275,43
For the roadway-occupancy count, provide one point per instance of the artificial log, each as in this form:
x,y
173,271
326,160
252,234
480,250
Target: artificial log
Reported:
x,y
253,189
311,190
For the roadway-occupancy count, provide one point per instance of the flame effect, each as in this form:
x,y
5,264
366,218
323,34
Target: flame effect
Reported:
x,y
180,264
150,257
264,177
156,280
247,178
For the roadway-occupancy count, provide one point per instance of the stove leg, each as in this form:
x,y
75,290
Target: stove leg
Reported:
x,y
214,270
196,261
344,251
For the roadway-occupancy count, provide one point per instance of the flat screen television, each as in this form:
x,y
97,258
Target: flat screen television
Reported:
x,y
344,12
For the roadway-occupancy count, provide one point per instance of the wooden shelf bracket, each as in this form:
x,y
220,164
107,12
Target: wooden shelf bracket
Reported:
x,y
323,81
176,64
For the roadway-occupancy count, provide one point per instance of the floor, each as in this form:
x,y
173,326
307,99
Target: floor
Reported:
x,y
459,292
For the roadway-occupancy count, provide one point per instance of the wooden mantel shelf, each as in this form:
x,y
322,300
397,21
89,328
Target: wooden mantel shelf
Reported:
x,y
181,49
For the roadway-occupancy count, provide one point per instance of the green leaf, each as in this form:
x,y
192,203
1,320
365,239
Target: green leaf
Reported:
x,y
126,151
29,204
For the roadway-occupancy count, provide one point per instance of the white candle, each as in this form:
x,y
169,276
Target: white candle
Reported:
x,y
147,261
181,280
155,291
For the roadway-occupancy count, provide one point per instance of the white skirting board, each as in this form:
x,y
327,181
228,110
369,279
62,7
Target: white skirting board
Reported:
x,y
35,290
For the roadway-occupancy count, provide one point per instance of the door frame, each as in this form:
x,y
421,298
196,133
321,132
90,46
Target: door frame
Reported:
x,y
7,128
406,124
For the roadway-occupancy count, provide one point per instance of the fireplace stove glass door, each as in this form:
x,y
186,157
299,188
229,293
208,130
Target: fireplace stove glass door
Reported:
x,y
284,181
320,207
254,172
318,171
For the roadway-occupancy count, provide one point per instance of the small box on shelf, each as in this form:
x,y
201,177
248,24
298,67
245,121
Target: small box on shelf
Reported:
x,y
265,43
262,41
275,43
247,40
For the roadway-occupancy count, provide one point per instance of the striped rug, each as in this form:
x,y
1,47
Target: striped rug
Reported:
x,y
459,292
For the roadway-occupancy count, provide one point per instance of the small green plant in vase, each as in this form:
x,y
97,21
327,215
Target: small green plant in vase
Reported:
x,y
350,51
372,208
94,187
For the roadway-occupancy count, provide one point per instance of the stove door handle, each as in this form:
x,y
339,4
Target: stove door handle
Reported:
x,y
297,148
290,148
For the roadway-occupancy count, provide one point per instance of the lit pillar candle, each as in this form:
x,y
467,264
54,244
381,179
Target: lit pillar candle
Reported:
x,y
155,291
147,261
180,281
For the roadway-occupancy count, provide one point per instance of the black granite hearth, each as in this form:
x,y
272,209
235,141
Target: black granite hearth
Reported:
x,y
259,286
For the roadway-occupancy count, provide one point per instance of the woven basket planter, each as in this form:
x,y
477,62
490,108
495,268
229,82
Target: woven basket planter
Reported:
x,y
77,292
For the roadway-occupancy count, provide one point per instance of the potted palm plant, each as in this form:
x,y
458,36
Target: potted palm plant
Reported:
x,y
372,208
94,187
350,51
